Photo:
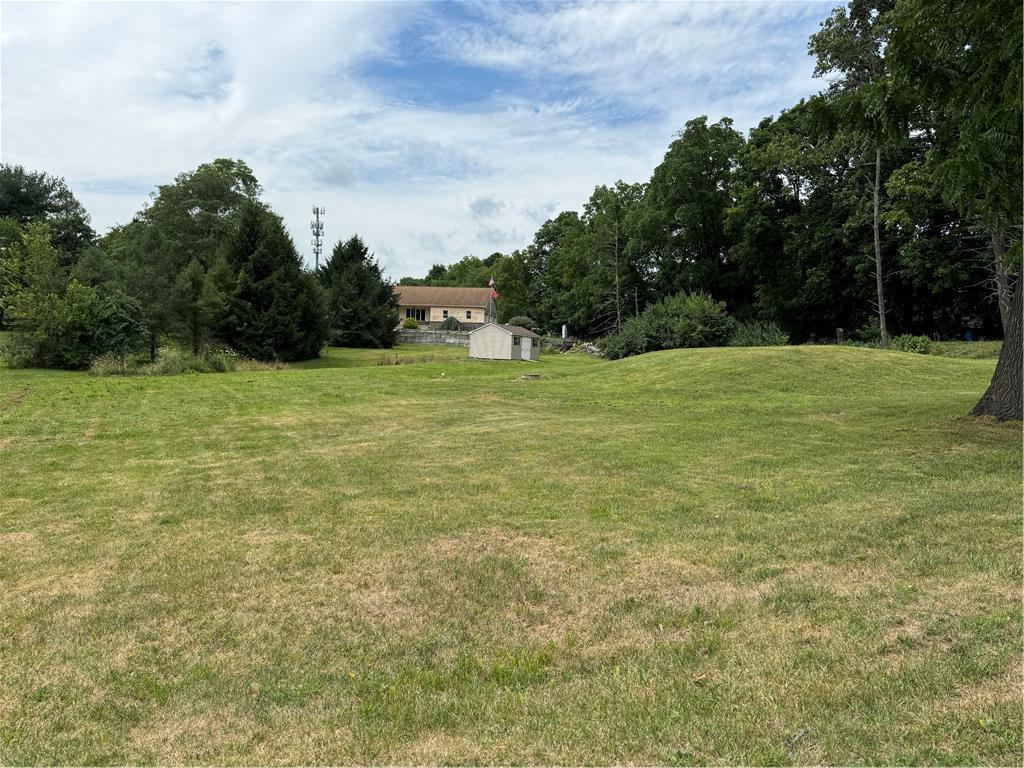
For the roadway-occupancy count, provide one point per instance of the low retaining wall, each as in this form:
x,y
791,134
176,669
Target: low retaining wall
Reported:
x,y
458,338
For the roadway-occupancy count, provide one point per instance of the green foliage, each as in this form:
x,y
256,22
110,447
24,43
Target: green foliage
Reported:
x,y
275,310
29,196
684,211
757,333
631,339
468,272
522,321
109,364
68,328
908,343
362,305
410,324
683,320
961,63
450,324
780,226
174,360
869,333
59,324
171,360
193,216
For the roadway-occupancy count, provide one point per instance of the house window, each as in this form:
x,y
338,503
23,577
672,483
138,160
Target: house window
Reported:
x,y
469,314
515,341
444,314
416,314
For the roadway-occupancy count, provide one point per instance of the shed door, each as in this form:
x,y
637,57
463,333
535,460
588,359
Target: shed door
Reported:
x,y
527,346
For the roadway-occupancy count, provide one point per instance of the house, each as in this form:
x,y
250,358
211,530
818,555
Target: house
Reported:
x,y
430,305
504,342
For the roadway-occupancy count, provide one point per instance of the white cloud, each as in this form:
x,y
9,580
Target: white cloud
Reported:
x,y
120,97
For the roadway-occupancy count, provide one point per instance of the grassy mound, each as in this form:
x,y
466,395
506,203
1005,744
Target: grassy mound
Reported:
x,y
791,555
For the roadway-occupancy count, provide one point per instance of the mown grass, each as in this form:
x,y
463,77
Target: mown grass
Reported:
x,y
971,350
779,555
400,354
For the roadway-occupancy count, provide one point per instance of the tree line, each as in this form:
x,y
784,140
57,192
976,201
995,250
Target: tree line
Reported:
x,y
205,263
889,202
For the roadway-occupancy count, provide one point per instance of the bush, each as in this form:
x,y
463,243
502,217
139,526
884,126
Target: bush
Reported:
x,y
68,329
908,343
523,322
683,320
410,324
631,339
870,332
758,334
450,324
171,360
111,365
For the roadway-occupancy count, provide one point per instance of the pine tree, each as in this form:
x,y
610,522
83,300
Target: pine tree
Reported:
x,y
362,305
275,310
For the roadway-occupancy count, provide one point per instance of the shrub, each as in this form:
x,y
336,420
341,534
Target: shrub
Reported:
x,y
110,365
908,343
172,360
68,329
523,322
758,334
683,320
450,324
410,324
629,340
870,332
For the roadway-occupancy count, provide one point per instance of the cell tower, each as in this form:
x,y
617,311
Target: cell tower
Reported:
x,y
317,227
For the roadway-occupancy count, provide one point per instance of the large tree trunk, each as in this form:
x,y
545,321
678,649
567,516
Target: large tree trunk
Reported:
x,y
878,249
1005,394
1002,280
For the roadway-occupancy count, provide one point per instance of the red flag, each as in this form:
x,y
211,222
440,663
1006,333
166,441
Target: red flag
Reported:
x,y
494,293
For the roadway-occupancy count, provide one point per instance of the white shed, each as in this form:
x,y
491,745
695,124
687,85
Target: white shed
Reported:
x,y
504,342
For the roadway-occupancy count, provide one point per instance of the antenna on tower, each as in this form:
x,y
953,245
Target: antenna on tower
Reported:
x,y
317,227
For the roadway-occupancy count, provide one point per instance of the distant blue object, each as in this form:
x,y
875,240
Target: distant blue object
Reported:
x,y
968,336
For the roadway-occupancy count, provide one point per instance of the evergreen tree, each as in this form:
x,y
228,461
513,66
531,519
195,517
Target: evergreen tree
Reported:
x,y
274,310
362,305
30,196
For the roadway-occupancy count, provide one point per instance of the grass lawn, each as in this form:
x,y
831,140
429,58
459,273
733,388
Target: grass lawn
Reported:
x,y
973,350
777,555
400,354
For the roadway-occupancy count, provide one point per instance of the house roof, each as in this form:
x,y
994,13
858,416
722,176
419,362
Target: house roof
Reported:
x,y
434,296
515,330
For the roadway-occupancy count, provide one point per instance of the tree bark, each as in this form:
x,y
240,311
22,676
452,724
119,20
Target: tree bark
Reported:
x,y
1004,398
878,249
1002,280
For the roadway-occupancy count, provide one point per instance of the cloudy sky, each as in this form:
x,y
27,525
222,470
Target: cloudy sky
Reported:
x,y
434,130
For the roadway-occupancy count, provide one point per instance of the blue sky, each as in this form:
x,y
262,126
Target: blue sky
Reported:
x,y
435,130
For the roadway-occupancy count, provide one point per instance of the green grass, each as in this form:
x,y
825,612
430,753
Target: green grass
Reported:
x,y
404,354
778,555
970,350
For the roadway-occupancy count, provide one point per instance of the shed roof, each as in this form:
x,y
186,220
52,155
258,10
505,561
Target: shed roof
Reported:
x,y
515,330
435,296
